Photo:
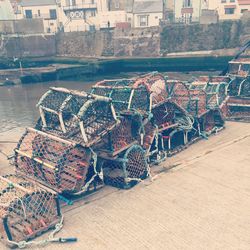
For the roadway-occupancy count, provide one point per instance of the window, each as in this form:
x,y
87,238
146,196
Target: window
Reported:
x,y
92,13
243,10
117,4
223,1
70,2
39,13
229,11
143,21
187,4
52,14
232,1
28,14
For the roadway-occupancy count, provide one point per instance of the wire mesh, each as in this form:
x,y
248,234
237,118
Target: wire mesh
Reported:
x,y
26,209
59,164
75,115
179,93
215,88
126,170
125,94
124,135
156,85
237,106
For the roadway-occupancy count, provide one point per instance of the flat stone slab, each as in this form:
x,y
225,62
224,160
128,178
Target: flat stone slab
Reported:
x,y
201,203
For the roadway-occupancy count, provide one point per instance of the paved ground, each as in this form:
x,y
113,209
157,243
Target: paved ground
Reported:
x,y
202,203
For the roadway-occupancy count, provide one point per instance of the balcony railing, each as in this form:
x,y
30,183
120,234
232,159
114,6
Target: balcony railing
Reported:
x,y
80,6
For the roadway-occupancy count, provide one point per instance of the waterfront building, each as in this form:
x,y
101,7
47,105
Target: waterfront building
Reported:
x,y
145,13
188,11
6,11
79,15
229,9
115,5
45,10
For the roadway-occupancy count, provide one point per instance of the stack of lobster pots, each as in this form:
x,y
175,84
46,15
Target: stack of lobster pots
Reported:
x,y
112,135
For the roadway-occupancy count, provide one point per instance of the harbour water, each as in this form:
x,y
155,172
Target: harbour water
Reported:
x,y
18,103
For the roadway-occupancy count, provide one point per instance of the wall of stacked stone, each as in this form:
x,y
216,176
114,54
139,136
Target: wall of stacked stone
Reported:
x,y
222,35
27,46
147,42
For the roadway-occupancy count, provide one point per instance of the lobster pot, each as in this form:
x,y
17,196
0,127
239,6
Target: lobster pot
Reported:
x,y
169,114
198,102
26,210
234,87
125,94
124,135
211,121
179,93
238,108
239,86
156,84
174,140
216,94
75,115
56,163
245,89
127,169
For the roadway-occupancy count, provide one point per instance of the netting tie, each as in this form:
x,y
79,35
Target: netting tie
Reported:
x,y
51,238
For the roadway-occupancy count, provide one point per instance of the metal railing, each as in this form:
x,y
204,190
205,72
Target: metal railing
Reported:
x,y
80,6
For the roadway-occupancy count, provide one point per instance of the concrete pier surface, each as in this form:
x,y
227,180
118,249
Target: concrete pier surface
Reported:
x,y
201,203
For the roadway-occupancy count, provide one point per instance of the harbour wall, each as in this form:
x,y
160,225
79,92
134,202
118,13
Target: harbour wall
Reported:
x,y
133,43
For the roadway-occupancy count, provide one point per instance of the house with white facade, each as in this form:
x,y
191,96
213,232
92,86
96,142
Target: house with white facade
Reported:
x,y
145,13
80,15
46,10
188,11
229,9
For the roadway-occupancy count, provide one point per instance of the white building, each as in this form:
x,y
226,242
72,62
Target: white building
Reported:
x,y
6,11
145,13
80,15
229,9
46,10
109,19
187,11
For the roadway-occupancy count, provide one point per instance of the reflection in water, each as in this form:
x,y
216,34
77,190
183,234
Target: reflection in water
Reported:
x,y
18,103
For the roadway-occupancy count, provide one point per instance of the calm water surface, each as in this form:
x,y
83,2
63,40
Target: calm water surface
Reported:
x,y
18,103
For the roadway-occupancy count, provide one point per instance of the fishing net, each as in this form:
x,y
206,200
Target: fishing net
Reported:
x,y
156,85
238,108
127,169
26,209
239,87
74,115
211,121
215,88
125,94
124,135
179,93
240,67
57,163
234,87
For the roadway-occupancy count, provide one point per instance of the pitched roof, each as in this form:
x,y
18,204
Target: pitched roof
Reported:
x,y
27,3
148,6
